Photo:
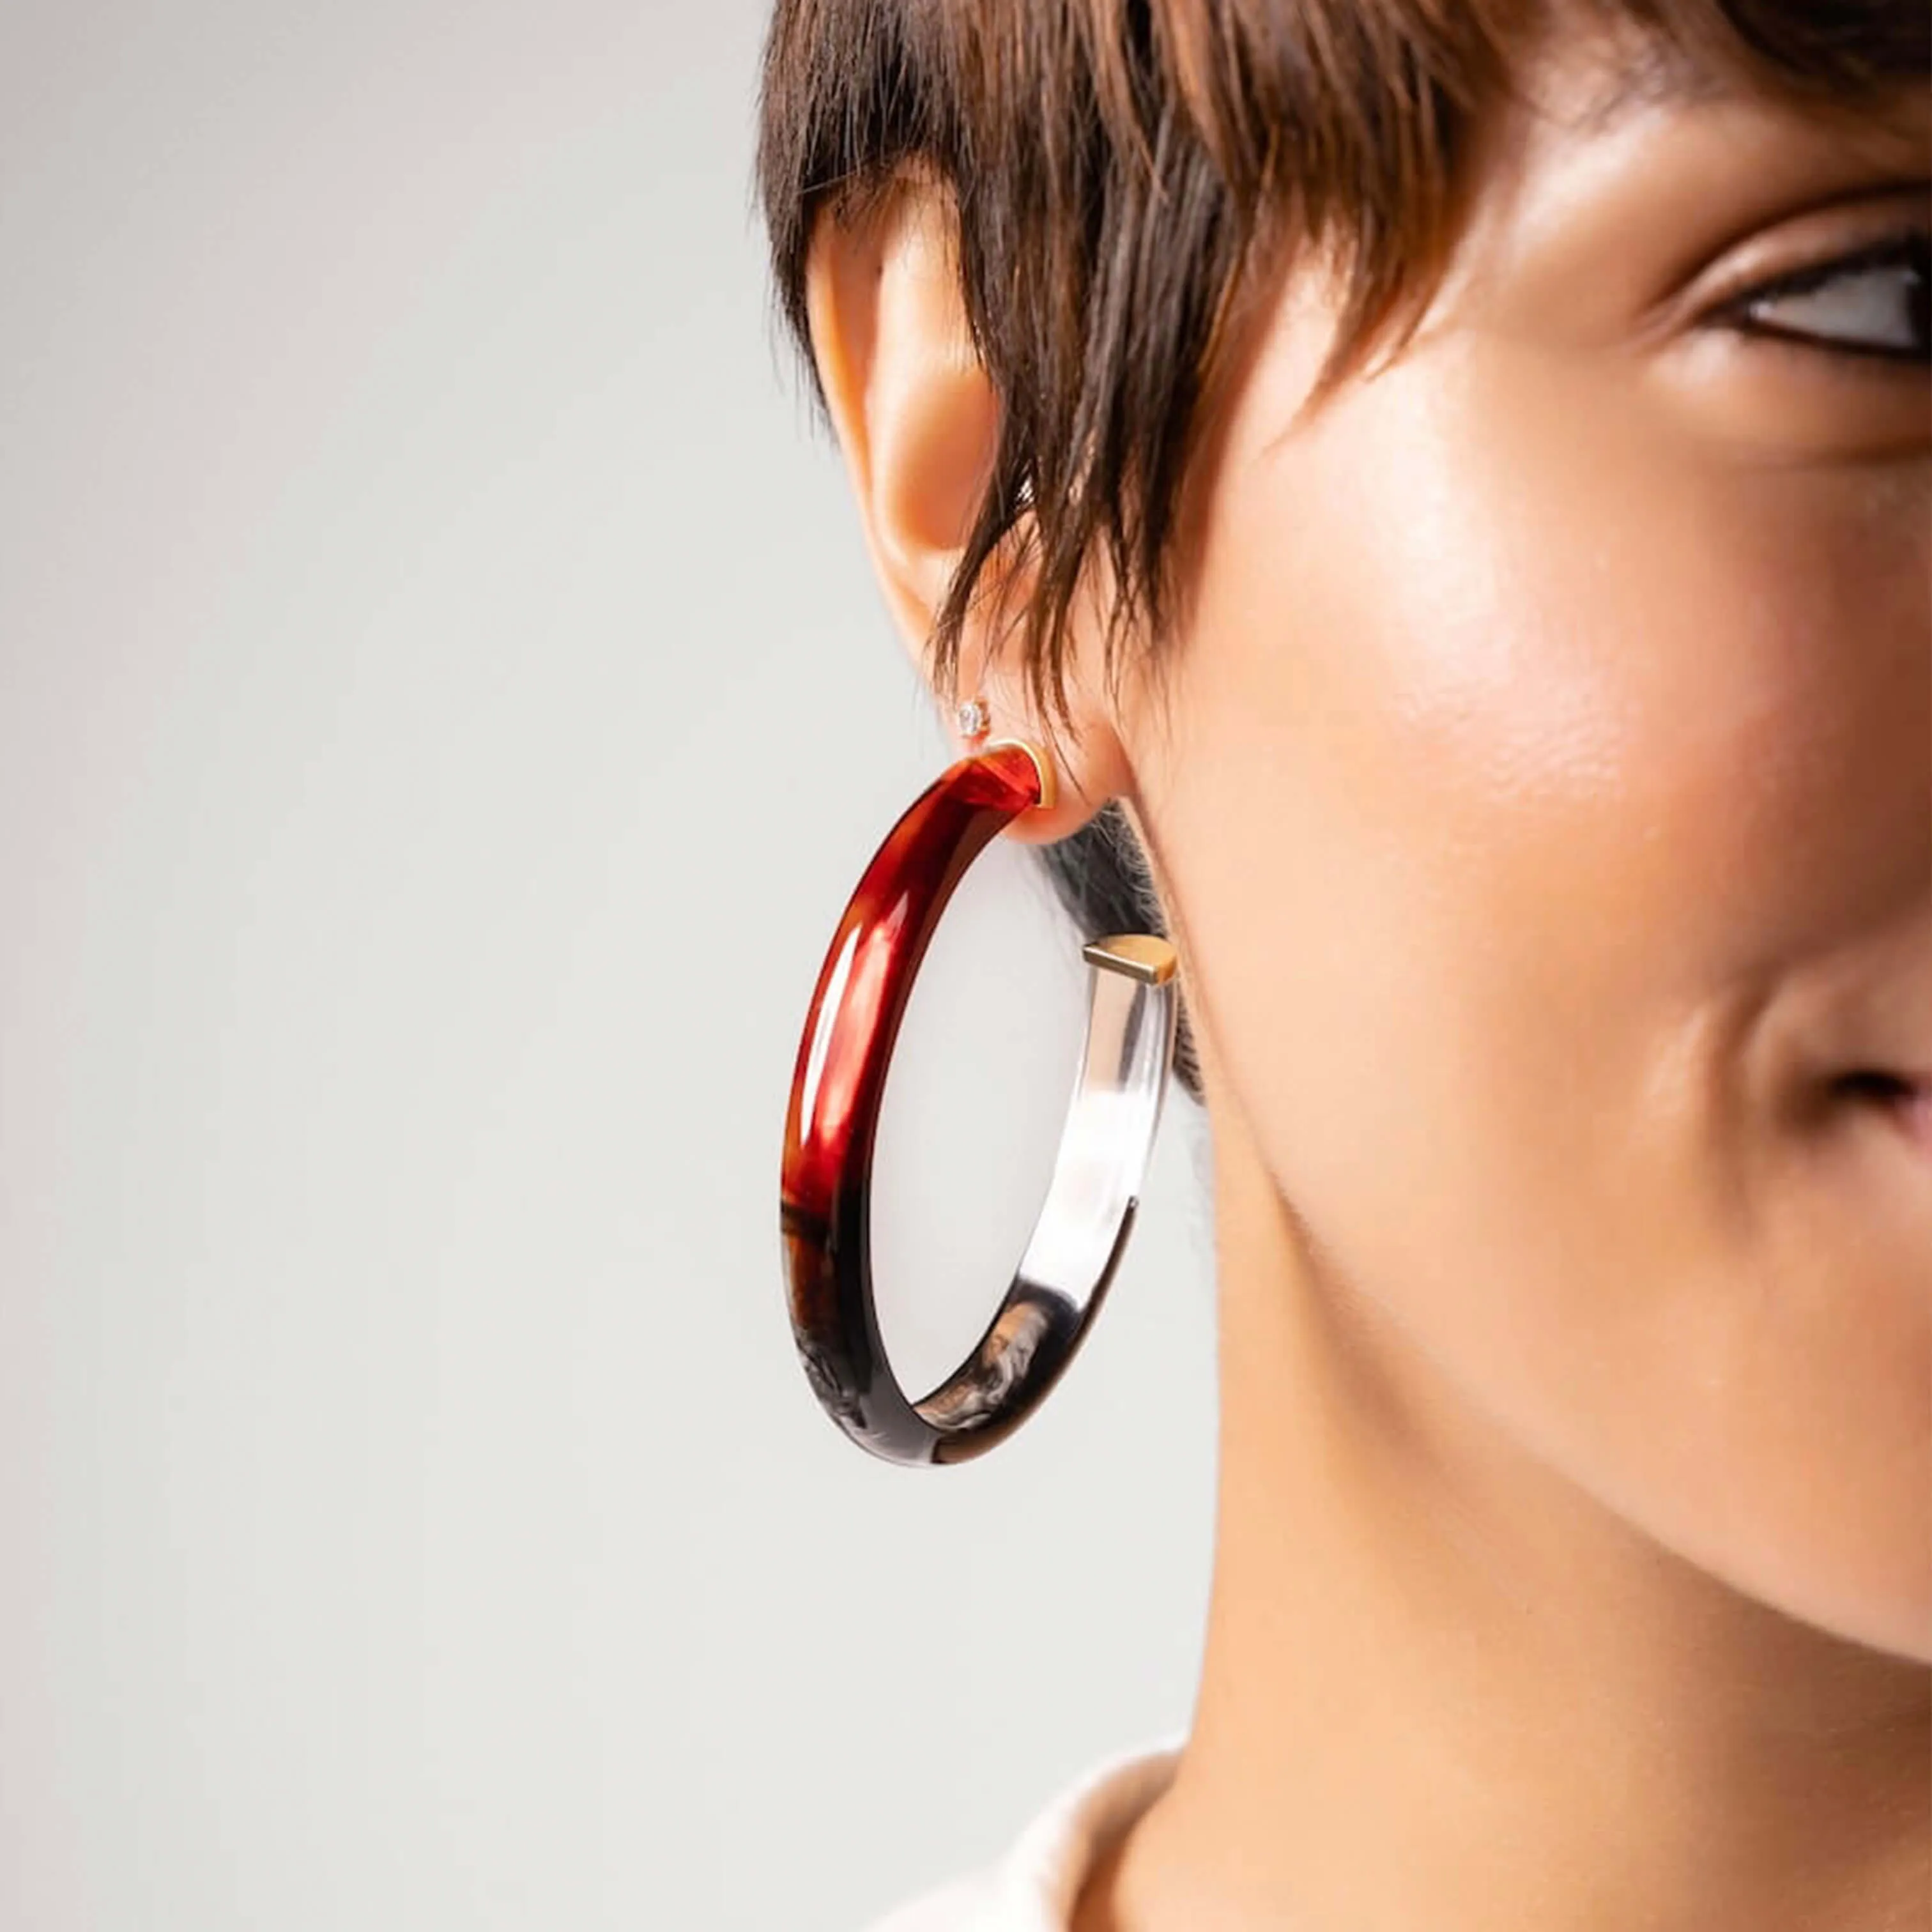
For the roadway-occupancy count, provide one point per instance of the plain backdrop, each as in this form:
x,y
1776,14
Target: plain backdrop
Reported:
x,y
443,707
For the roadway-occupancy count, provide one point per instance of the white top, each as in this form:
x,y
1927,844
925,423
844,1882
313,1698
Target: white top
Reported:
x,y
1033,1886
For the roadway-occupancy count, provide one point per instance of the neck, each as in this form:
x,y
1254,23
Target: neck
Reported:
x,y
1444,1686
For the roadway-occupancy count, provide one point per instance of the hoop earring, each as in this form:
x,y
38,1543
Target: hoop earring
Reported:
x,y
831,1123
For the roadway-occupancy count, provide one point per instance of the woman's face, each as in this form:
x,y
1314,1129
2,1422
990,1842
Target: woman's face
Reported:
x,y
1545,800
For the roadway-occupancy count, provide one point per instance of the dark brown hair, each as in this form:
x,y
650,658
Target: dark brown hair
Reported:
x,y
1127,174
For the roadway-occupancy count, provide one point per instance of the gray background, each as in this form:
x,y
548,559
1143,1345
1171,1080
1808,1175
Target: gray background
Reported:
x,y
443,705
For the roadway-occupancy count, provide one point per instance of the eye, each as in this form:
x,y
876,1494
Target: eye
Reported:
x,y
1874,302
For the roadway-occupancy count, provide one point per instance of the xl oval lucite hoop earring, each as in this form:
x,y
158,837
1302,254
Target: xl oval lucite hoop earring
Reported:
x,y
831,1123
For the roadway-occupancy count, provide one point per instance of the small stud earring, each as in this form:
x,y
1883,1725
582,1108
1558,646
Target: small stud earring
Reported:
x,y
973,718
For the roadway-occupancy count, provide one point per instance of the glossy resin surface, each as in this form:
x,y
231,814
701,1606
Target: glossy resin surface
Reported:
x,y
831,1121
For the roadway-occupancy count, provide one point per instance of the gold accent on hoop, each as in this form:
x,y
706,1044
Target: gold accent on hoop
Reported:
x,y
1042,763
1140,955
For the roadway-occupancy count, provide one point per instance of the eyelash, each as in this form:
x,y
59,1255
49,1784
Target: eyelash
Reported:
x,y
1908,252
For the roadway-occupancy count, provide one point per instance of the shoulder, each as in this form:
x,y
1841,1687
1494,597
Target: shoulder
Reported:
x,y
1033,1885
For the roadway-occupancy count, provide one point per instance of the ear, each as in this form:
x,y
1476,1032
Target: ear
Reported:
x,y
917,419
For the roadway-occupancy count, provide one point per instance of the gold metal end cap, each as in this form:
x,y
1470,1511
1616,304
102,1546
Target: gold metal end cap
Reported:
x,y
1042,763
1140,955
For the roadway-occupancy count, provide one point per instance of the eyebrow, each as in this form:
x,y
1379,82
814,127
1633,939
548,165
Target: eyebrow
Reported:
x,y
1652,72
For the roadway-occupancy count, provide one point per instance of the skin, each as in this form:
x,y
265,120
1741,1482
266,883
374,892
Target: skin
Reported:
x,y
1541,795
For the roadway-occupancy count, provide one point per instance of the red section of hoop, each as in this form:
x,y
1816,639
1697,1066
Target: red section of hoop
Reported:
x,y
839,1077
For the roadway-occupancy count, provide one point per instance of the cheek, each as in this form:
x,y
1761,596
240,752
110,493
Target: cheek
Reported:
x,y
1504,734
1522,750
